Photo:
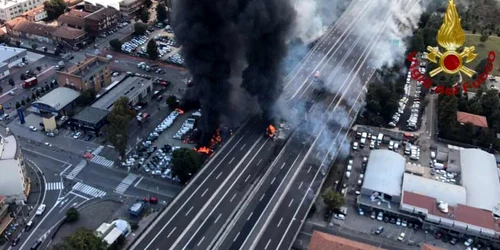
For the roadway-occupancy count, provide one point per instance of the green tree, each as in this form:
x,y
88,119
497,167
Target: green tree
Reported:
x,y
140,28
28,100
119,118
18,43
45,49
144,15
152,49
148,3
18,105
161,12
116,45
118,244
37,92
81,239
172,102
33,96
332,199
22,76
186,163
1,90
54,8
23,103
34,46
72,215
11,82
39,68
484,36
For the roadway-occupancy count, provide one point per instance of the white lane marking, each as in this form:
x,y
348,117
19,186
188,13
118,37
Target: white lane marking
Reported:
x,y
242,147
218,175
232,198
171,232
273,180
267,244
232,159
248,177
309,170
189,210
262,197
258,163
235,238
279,223
317,155
301,184
289,204
218,217
204,192
250,216
199,243
139,181
283,165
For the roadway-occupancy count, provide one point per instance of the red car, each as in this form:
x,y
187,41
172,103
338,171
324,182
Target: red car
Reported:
x,y
152,200
438,236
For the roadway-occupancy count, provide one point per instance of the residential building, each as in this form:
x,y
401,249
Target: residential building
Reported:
x,y
42,33
5,218
73,19
101,20
10,57
131,8
476,120
92,73
14,183
71,3
10,9
37,14
326,241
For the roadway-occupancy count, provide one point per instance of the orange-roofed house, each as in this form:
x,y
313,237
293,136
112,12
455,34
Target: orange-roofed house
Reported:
x,y
324,241
476,120
5,218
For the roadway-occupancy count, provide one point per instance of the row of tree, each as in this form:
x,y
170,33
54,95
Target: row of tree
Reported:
x,y
39,92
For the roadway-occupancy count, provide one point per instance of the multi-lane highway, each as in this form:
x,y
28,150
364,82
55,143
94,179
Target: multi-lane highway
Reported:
x,y
249,197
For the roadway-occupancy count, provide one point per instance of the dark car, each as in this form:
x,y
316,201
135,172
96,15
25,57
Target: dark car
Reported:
x,y
88,138
327,214
386,219
438,235
36,245
15,241
393,220
379,230
28,226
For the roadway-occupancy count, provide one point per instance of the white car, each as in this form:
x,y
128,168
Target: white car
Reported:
x,y
77,135
468,242
380,216
339,216
40,209
355,146
32,128
401,236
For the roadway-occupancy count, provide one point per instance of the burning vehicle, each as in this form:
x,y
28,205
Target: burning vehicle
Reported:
x,y
277,133
317,84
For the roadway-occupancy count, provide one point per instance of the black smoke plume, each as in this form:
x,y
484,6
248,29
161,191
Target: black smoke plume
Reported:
x,y
213,33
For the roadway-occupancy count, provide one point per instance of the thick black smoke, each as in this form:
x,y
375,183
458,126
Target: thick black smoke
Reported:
x,y
213,33
266,24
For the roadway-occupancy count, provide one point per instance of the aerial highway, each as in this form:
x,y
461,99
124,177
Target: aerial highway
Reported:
x,y
228,203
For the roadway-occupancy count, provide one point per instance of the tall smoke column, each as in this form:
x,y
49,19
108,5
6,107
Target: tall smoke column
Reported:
x,y
266,25
209,45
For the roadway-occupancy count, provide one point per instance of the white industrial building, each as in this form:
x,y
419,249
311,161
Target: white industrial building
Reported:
x,y
10,57
465,200
10,9
14,185
110,232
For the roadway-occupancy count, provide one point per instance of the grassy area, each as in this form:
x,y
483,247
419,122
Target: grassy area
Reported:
x,y
482,49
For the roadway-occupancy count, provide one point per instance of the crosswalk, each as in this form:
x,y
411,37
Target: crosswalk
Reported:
x,y
76,170
54,186
97,150
102,161
89,190
122,187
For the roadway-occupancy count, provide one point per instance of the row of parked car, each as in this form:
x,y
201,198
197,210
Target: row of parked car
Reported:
x,y
134,43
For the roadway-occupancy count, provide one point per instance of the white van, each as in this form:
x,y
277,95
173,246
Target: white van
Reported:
x,y
347,174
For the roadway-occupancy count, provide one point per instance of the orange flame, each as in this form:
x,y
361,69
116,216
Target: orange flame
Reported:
x,y
216,138
180,111
204,150
271,129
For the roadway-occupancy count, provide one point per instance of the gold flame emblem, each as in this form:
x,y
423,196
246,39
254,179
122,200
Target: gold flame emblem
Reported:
x,y
451,37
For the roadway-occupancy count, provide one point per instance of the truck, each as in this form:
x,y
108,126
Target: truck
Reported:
x,y
28,83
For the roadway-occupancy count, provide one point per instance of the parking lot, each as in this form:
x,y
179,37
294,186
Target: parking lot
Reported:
x,y
153,154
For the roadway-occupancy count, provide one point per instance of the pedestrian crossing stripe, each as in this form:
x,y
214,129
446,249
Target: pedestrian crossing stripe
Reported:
x,y
98,150
88,190
54,186
76,170
102,161
123,186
